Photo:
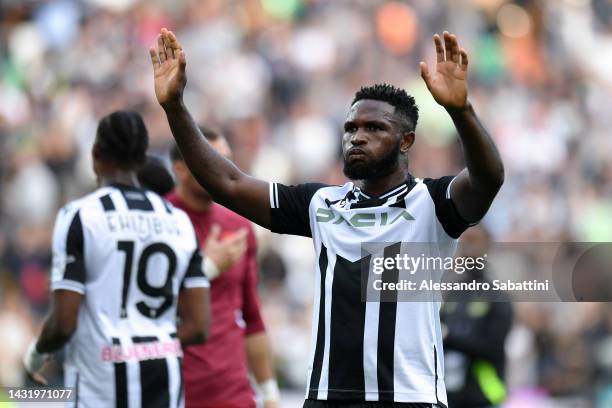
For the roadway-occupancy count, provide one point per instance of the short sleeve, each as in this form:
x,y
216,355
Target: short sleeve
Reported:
x,y
194,275
68,262
446,212
289,208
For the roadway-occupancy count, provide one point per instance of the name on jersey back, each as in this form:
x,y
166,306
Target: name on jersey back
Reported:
x,y
143,224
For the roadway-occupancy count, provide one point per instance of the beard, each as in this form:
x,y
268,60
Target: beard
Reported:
x,y
372,169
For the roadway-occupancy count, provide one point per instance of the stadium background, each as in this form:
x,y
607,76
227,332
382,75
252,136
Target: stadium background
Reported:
x,y
277,76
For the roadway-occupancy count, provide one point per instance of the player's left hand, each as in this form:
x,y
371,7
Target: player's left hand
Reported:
x,y
168,69
448,84
271,404
33,361
37,378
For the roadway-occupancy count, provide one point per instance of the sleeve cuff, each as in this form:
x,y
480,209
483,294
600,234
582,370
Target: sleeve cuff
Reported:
x,y
71,285
198,282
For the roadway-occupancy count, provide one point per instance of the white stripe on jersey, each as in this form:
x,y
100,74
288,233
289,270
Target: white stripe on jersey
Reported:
x,y
370,342
273,195
329,281
276,194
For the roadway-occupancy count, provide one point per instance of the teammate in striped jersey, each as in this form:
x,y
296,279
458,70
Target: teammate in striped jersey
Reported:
x,y
364,354
125,264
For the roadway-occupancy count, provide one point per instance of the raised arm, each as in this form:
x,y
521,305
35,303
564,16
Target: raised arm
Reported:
x,y
227,185
474,188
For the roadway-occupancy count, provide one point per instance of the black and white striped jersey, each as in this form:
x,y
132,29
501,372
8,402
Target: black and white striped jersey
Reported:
x,y
369,351
129,252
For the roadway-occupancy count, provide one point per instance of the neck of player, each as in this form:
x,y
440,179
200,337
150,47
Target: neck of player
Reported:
x,y
375,187
117,176
191,200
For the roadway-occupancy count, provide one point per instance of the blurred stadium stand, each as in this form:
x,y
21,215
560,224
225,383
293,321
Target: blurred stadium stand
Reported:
x,y
278,76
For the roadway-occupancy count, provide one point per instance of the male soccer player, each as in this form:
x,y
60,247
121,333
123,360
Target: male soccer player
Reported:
x,y
364,354
125,263
216,373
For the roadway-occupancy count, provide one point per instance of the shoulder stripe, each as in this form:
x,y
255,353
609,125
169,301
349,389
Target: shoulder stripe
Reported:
x,y
136,200
107,202
273,195
75,263
448,195
166,205
276,195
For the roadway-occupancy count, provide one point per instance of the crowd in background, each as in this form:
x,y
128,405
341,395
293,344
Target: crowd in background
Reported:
x,y
277,78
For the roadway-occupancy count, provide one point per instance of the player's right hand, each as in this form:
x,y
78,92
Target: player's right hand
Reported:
x,y
33,361
225,253
168,69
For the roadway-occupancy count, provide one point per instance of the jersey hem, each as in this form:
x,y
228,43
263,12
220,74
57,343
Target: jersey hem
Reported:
x,y
408,397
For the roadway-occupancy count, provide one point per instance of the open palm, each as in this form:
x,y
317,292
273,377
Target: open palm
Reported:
x,y
168,68
448,84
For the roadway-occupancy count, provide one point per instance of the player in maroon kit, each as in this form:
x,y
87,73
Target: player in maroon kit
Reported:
x,y
216,373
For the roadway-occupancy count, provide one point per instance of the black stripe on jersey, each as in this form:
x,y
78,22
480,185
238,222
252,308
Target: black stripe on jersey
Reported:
x,y
128,248
154,381
121,388
346,331
452,222
310,403
180,361
399,203
75,246
167,206
386,329
76,392
436,376
107,203
194,269
181,386
317,365
135,198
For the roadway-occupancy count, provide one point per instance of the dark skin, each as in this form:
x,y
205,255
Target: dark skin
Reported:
x,y
371,129
193,307
472,191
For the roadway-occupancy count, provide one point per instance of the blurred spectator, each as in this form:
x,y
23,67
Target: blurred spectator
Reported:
x,y
475,333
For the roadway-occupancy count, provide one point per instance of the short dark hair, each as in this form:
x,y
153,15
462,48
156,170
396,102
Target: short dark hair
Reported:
x,y
210,135
153,175
404,104
122,137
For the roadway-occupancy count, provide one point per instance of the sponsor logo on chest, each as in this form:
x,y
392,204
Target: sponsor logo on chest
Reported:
x,y
364,219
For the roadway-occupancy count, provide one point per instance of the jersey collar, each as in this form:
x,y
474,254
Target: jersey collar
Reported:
x,y
394,197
